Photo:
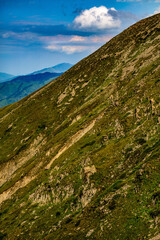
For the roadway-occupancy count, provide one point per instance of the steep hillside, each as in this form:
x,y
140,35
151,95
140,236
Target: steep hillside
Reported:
x,y
80,158
21,86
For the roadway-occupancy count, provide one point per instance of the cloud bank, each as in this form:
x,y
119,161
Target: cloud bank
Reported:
x,y
90,29
68,49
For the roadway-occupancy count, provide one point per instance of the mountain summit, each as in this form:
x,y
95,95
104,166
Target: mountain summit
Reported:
x,y
80,158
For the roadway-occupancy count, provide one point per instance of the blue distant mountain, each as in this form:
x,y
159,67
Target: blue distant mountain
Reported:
x,y
5,77
56,69
21,86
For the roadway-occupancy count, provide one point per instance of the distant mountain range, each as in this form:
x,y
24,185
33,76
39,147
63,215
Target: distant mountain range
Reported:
x,y
21,86
56,69
5,77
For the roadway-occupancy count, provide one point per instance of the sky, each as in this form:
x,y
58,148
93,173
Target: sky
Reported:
x,y
36,34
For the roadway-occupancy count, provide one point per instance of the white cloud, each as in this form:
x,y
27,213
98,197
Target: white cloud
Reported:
x,y
97,18
157,10
77,39
73,49
68,49
74,44
20,36
52,48
100,39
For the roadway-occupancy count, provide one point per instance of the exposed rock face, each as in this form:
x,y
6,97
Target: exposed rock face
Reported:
x,y
89,170
80,157
11,167
45,194
88,192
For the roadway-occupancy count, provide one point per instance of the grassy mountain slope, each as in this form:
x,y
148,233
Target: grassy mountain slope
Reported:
x,y
21,86
80,158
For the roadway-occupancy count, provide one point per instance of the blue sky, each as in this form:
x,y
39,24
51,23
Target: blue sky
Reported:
x,y
35,34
